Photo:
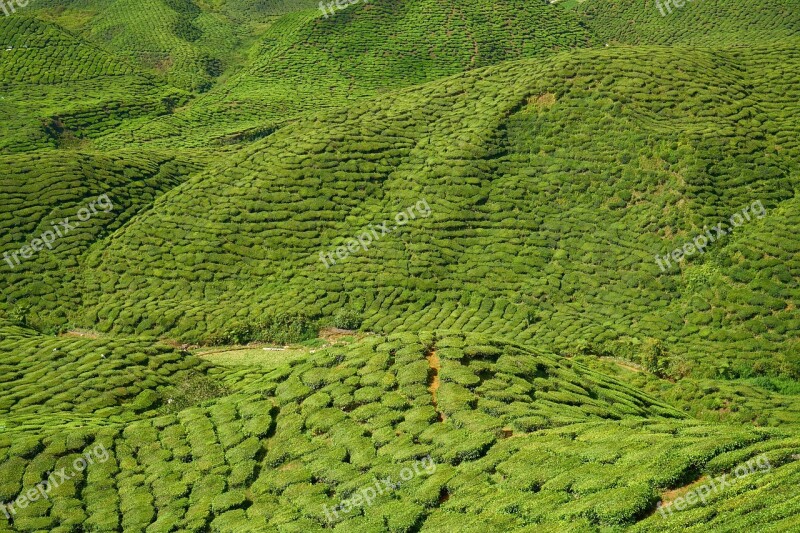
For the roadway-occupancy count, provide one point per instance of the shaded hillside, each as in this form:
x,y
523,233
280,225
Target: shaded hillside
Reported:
x,y
59,90
49,221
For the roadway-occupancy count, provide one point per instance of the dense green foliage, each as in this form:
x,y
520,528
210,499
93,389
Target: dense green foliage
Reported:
x,y
521,336
578,267
42,374
42,188
517,438
280,329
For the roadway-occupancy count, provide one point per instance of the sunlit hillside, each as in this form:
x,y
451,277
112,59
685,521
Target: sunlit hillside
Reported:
x,y
399,266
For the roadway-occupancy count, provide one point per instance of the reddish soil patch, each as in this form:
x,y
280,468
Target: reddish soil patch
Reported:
x,y
670,496
433,380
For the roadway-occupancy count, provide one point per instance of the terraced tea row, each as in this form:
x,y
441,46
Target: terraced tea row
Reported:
x,y
771,402
698,24
109,378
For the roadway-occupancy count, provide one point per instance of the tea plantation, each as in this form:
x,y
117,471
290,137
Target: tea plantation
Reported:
x,y
399,266
537,226
42,189
517,438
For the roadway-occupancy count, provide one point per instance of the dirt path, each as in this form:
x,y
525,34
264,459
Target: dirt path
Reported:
x,y
81,333
433,380
629,367
334,334
669,496
633,367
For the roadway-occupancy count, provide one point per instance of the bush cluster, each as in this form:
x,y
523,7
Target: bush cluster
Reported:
x,y
280,328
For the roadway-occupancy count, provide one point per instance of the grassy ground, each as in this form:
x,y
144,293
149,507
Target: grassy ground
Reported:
x,y
267,357
272,355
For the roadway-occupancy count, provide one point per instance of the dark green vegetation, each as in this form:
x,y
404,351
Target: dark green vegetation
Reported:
x,y
44,375
522,335
42,188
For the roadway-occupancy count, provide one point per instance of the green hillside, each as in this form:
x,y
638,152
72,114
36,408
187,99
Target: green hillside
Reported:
x,y
45,194
566,225
509,438
59,90
706,23
176,38
411,266
305,61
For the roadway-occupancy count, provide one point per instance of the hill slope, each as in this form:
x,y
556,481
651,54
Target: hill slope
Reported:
x,y
305,60
537,225
509,438
72,205
59,90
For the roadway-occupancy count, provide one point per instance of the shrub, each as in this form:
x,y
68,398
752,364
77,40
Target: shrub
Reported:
x,y
347,318
653,356
282,328
195,388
